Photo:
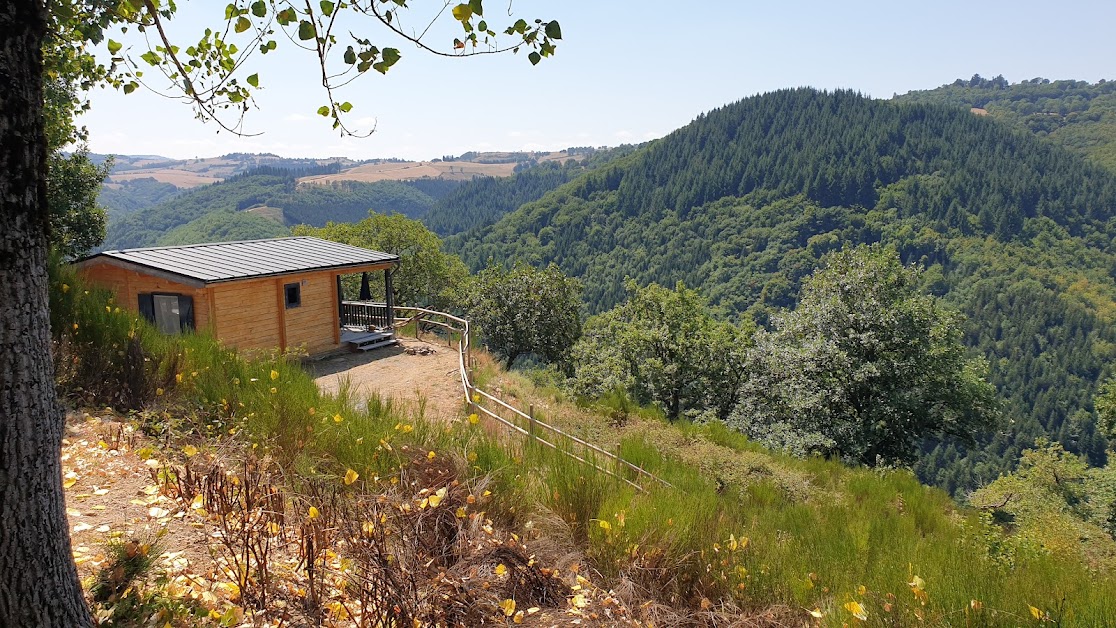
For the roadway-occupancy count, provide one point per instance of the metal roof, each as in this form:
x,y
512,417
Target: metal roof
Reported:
x,y
228,261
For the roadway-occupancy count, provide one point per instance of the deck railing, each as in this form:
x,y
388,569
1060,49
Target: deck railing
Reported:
x,y
365,314
514,419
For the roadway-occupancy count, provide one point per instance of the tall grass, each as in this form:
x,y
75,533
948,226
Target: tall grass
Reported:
x,y
905,553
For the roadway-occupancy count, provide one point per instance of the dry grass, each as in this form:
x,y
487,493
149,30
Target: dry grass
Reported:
x,y
174,176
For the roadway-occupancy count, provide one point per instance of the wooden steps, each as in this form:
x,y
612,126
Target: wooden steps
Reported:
x,y
367,341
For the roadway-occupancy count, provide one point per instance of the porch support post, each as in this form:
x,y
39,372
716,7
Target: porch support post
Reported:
x,y
389,298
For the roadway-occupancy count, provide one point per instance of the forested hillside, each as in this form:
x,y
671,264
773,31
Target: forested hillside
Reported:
x,y
484,200
1076,115
274,188
743,202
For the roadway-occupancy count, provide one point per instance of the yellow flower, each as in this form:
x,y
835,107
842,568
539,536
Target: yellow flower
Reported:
x,y
274,390
474,419
437,497
857,610
177,376
501,569
65,287
508,606
190,451
313,513
337,418
350,477
1036,613
274,374
158,392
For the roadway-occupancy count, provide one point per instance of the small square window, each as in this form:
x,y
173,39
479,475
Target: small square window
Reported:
x,y
292,295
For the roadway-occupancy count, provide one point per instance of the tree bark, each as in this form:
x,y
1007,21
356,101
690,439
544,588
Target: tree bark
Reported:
x,y
38,579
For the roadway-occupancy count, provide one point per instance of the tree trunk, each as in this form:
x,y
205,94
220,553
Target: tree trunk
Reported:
x,y
38,580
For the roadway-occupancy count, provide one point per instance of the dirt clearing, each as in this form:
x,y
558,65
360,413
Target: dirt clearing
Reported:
x,y
429,382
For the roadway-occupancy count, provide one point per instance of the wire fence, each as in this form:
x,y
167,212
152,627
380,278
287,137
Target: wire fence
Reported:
x,y
514,419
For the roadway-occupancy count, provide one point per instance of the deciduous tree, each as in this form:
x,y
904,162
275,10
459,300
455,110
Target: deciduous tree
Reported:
x,y
526,311
665,347
427,275
864,368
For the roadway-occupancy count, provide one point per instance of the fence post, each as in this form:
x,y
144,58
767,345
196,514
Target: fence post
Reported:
x,y
531,413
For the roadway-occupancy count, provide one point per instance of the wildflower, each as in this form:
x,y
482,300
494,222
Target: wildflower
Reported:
x,y
350,477
473,418
274,374
65,287
337,418
313,513
274,390
857,610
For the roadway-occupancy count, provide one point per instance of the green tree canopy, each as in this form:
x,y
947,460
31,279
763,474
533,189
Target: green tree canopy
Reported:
x,y
663,346
526,311
427,276
864,368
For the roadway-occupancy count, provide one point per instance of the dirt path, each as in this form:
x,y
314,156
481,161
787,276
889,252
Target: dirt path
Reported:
x,y
429,382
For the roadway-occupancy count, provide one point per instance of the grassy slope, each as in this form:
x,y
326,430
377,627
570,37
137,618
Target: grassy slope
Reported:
x,y
743,530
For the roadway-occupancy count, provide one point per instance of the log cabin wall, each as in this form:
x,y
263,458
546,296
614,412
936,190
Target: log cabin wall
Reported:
x,y
126,286
247,314
313,324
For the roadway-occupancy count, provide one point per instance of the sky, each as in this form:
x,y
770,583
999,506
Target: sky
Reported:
x,y
624,72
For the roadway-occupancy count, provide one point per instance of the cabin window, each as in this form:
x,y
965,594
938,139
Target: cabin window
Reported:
x,y
171,313
292,295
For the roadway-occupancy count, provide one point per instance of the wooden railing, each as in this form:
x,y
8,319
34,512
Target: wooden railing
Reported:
x,y
365,314
525,424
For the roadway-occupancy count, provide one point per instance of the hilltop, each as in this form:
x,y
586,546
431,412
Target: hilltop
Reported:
x,y
1076,115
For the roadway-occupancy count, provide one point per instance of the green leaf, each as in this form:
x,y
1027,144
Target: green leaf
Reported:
x,y
534,58
286,16
306,30
242,24
253,80
350,55
552,30
388,59
462,13
130,87
483,26
113,47
345,107
477,6
259,8
230,11
327,7
323,111
151,57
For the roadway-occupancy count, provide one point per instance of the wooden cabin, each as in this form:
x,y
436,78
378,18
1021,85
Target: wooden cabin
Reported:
x,y
280,293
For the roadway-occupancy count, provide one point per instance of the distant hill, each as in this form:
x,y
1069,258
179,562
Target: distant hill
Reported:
x,y
289,203
744,201
1077,115
484,200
